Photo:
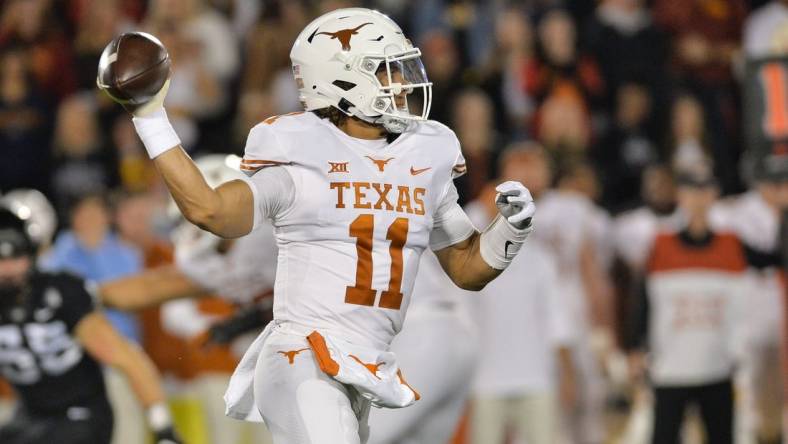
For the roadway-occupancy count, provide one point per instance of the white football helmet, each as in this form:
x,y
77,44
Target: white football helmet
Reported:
x,y
340,58
34,208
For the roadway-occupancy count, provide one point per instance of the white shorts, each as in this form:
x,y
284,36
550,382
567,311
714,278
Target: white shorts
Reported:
x,y
300,403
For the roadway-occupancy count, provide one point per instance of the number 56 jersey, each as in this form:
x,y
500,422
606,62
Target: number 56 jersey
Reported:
x,y
351,218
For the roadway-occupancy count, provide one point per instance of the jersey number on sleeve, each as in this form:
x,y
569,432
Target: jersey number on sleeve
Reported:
x,y
362,293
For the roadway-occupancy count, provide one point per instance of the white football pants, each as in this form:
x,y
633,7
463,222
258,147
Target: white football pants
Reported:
x,y
299,403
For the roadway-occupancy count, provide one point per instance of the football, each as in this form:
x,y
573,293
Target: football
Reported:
x,y
133,68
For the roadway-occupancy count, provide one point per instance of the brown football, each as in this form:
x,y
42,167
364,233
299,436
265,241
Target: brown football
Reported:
x,y
133,68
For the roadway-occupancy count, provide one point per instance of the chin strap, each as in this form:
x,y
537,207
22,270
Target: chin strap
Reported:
x,y
392,124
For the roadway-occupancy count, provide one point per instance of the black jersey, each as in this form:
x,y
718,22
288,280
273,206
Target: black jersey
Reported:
x,y
39,355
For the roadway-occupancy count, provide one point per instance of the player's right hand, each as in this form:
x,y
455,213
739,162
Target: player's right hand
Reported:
x,y
154,104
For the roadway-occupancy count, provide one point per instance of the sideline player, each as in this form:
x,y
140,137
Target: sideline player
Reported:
x,y
238,271
755,217
357,188
438,345
48,321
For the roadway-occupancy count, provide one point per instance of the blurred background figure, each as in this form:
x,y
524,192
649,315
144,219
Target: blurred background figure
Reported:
x,y
32,207
96,22
764,30
447,72
91,249
635,229
25,123
628,46
473,122
755,217
690,317
197,342
440,369
504,72
83,160
525,373
570,225
626,148
689,142
706,42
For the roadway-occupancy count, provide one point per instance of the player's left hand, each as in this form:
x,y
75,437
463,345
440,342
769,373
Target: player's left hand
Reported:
x,y
515,203
167,436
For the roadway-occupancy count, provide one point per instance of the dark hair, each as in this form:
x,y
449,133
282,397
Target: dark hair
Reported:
x,y
97,194
338,118
333,114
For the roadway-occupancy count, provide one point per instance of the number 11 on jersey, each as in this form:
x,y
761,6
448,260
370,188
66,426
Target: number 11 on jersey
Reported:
x,y
363,228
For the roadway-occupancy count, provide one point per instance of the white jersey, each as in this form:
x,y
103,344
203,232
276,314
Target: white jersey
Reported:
x,y
765,31
757,225
749,216
361,214
634,233
246,271
564,224
522,321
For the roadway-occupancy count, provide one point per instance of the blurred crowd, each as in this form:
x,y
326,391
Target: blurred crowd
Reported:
x,y
597,102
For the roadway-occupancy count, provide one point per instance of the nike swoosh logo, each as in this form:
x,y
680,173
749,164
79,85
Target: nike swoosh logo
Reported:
x,y
506,248
415,172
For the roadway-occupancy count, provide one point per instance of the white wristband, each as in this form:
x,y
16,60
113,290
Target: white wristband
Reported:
x,y
500,242
156,132
159,416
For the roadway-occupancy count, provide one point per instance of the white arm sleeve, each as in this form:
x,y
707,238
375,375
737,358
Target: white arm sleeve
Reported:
x,y
450,225
274,192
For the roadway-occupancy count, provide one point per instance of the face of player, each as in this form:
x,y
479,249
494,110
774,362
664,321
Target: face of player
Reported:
x,y
774,193
396,77
13,274
530,169
90,221
659,191
695,201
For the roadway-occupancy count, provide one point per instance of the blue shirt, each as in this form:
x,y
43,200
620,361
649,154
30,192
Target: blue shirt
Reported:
x,y
112,259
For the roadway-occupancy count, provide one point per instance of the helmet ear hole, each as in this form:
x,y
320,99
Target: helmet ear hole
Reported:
x,y
343,85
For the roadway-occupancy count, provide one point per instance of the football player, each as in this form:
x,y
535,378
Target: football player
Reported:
x,y
357,187
238,270
52,342
755,217
570,227
438,345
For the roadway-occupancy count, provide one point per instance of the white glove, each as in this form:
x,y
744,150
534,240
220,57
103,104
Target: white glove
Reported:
x,y
515,203
154,104
153,126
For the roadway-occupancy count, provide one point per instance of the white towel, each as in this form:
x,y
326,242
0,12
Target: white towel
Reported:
x,y
239,397
373,373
